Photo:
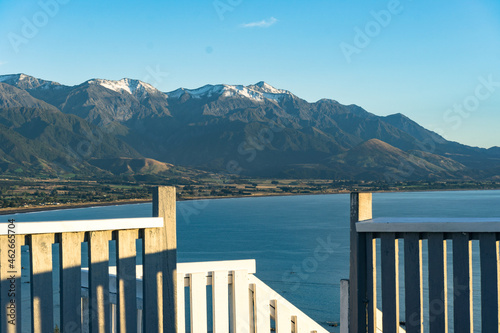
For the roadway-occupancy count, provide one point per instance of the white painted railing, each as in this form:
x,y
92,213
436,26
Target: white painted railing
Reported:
x,y
100,292
127,297
240,302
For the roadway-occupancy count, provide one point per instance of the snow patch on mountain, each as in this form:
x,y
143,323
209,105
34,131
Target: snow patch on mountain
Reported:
x,y
24,81
125,85
258,92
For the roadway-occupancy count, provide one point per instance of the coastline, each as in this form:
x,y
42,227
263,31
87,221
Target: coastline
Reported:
x,y
20,210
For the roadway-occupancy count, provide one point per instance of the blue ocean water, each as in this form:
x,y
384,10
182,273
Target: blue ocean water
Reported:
x,y
300,243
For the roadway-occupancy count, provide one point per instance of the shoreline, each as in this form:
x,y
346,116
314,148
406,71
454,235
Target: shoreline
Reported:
x,y
21,210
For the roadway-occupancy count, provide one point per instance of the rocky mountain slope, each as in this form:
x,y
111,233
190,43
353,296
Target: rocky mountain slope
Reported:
x,y
254,130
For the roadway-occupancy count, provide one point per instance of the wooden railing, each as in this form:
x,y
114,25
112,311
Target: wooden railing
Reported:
x,y
240,302
436,232
158,257
129,297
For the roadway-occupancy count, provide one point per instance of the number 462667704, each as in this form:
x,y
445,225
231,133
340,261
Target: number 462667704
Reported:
x,y
12,243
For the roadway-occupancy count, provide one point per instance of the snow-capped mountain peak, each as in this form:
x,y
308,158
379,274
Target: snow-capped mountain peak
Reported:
x,y
258,92
125,85
24,81
267,88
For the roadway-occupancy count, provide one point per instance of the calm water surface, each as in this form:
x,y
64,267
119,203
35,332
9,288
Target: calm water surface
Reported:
x,y
300,243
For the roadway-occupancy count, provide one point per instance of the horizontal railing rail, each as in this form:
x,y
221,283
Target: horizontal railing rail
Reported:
x,y
59,227
429,225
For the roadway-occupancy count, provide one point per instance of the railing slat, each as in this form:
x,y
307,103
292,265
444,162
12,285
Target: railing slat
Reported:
x,y
6,271
100,320
488,244
198,302
70,252
438,285
301,325
152,283
180,315
220,301
413,283
85,315
371,283
283,318
462,283
241,309
390,283
126,289
42,320
262,310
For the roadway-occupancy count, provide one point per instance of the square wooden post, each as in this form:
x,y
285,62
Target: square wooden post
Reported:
x,y
164,201
361,209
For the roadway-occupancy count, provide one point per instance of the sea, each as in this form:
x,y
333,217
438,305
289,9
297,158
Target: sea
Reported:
x,y
300,243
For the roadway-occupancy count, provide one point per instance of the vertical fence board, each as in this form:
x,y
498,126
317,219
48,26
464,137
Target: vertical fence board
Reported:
x,y
10,316
489,282
413,283
462,283
180,315
198,302
301,326
70,252
390,283
126,289
85,315
438,286
371,282
262,311
99,313
283,318
42,320
361,209
220,299
344,306
152,281
241,310
164,201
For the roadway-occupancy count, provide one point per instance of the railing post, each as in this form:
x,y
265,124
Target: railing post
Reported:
x,y
361,209
164,200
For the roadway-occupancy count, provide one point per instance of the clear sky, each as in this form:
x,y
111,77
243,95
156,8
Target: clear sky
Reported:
x,y
437,62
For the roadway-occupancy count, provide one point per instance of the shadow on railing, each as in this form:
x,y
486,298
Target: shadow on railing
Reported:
x,y
128,297
158,257
382,237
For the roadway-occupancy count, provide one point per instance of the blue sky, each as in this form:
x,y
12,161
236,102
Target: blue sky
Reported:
x,y
436,62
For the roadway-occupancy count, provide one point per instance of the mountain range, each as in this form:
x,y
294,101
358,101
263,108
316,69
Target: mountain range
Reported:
x,y
128,127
